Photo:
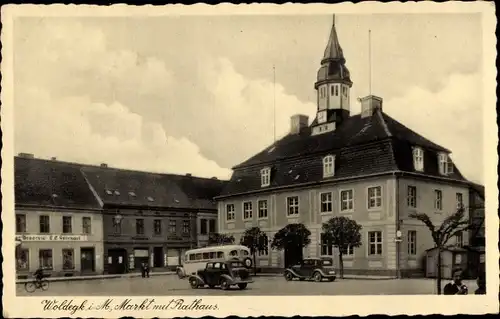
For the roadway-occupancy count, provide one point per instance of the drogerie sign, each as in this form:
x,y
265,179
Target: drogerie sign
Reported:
x,y
24,238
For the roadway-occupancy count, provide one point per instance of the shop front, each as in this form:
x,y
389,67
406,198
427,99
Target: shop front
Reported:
x,y
58,255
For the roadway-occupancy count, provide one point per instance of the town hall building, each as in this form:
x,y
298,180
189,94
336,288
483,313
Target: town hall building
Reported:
x,y
368,167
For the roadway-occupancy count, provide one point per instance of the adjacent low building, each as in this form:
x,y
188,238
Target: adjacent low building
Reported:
x,y
149,218
58,219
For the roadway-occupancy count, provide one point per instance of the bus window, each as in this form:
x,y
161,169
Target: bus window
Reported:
x,y
198,256
233,253
213,255
192,257
206,256
220,254
244,253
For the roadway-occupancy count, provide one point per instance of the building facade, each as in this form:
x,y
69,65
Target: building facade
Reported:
x,y
147,217
58,220
367,167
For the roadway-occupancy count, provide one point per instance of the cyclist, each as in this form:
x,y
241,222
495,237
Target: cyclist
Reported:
x,y
38,276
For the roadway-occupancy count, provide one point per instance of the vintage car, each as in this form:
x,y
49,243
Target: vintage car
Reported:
x,y
223,274
316,269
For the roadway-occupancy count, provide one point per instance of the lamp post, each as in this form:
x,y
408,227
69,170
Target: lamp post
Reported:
x,y
398,252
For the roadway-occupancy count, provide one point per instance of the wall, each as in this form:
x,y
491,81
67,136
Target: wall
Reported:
x,y
425,204
93,240
382,219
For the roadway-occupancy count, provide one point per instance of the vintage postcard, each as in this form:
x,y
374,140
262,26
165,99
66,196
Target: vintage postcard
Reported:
x,y
249,160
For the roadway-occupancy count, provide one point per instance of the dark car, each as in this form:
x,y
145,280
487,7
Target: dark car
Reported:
x,y
316,269
223,274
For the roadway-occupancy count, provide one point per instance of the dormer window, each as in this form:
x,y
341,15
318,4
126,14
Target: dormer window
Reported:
x,y
418,159
445,164
265,177
328,166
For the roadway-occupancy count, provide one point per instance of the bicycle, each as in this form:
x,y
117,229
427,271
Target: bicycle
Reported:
x,y
35,284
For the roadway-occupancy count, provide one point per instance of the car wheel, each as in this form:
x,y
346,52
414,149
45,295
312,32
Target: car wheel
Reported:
x,y
317,277
193,282
179,274
224,284
242,286
44,284
288,276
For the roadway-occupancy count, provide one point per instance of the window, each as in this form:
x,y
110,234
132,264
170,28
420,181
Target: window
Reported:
x,y
139,226
348,251
336,90
230,212
67,224
86,225
211,226
460,200
326,246
44,224
438,199
328,166
412,242
20,223
460,239
262,208
326,202
23,259
45,258
186,229
265,243
412,196
418,159
346,200
445,164
118,226
247,210
265,177
203,226
375,243
68,259
172,226
332,90
374,197
292,205
157,226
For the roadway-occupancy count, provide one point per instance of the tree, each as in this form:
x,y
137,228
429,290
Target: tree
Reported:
x,y
342,232
255,240
220,239
293,237
452,226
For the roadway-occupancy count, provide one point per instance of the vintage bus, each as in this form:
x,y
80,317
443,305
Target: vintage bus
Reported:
x,y
196,259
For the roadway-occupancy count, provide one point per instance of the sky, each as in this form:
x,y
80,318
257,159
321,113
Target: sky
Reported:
x,y
195,94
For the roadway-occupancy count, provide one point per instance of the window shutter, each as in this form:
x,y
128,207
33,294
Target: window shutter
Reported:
x,y
449,165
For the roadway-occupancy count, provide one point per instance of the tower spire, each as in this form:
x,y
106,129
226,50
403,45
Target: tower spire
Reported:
x,y
333,51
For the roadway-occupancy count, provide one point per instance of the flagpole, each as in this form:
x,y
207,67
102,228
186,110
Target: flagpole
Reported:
x,y
370,61
274,103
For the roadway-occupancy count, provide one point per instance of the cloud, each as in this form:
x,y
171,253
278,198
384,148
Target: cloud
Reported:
x,y
77,129
451,116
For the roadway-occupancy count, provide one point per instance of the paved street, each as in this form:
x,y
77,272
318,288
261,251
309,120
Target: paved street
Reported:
x,y
171,285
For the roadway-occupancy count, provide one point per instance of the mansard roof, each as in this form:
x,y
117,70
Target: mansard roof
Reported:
x,y
361,145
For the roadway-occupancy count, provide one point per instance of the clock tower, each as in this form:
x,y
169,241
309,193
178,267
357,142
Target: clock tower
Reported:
x,y
333,87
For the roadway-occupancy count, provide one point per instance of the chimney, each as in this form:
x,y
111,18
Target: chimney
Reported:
x,y
215,178
369,104
298,123
26,155
54,158
189,175
104,165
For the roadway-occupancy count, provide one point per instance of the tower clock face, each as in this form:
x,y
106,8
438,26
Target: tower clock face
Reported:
x,y
322,117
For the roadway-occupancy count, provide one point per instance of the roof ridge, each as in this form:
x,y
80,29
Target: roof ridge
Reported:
x,y
384,124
